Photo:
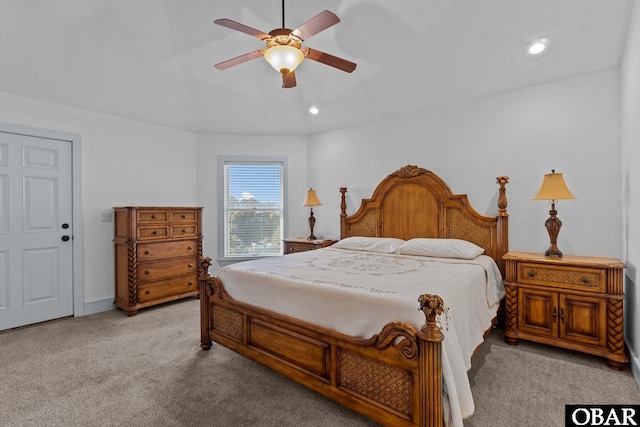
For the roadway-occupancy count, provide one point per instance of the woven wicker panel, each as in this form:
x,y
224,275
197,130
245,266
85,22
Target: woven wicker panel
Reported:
x,y
153,233
152,216
556,275
228,322
376,381
366,227
461,227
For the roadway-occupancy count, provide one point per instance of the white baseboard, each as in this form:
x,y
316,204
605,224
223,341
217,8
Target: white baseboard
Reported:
x,y
634,364
98,306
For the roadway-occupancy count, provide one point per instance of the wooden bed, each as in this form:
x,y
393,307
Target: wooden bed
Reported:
x,y
394,377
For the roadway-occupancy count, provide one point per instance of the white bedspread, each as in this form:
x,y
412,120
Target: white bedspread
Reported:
x,y
357,293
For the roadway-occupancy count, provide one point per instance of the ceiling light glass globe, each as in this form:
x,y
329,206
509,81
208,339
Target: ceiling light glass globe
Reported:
x,y
284,58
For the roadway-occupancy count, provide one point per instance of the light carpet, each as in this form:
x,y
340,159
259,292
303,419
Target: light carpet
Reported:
x,y
110,370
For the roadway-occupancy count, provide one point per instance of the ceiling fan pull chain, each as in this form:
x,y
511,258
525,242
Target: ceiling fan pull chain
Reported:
x,y
283,14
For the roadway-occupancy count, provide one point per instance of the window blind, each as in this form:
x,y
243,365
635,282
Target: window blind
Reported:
x,y
253,209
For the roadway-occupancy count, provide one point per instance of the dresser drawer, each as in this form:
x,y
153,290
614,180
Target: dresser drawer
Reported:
x,y
164,288
150,271
298,247
152,215
186,230
152,232
163,250
183,215
569,277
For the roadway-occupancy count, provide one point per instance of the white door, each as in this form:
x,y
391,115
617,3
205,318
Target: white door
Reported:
x,y
36,282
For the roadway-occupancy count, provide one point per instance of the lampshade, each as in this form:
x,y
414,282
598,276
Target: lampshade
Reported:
x,y
553,188
311,199
284,58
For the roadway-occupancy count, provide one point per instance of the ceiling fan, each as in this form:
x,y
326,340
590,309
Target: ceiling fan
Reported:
x,y
284,47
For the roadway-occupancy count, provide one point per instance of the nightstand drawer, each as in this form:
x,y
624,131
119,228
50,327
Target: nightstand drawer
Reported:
x,y
584,279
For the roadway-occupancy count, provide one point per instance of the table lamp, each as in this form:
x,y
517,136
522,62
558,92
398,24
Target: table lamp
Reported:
x,y
553,188
311,200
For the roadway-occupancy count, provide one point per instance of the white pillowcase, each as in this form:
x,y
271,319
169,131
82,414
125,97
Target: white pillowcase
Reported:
x,y
387,245
442,248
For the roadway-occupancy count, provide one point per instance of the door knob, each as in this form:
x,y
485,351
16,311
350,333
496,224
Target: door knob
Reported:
x,y
65,238
65,225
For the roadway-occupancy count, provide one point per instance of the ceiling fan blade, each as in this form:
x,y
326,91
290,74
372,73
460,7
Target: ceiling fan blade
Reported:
x,y
238,60
242,28
320,22
332,61
289,79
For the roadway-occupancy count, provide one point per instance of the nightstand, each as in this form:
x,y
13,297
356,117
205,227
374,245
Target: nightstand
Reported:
x,y
574,302
300,244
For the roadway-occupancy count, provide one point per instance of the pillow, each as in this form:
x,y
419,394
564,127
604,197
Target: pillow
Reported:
x,y
442,248
387,245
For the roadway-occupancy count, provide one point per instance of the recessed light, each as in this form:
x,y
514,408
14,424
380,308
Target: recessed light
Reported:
x,y
538,46
314,110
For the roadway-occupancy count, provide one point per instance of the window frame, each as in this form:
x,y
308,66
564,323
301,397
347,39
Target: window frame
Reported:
x,y
225,160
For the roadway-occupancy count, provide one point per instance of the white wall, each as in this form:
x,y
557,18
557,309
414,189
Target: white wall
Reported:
x,y
124,162
630,89
572,126
209,147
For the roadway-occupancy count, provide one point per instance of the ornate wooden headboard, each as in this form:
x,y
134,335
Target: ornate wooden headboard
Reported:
x,y
414,202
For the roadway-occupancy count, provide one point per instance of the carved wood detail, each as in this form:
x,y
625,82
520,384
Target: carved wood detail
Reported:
x,y
132,254
408,171
615,322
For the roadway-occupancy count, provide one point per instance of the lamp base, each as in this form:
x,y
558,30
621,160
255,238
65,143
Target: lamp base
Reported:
x,y
312,223
553,225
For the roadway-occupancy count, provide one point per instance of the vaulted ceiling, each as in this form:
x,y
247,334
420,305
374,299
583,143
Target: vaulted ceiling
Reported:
x,y
152,60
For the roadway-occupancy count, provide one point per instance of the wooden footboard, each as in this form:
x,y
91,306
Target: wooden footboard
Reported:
x,y
394,378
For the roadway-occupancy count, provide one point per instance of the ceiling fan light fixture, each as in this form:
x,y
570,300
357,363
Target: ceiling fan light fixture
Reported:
x,y
283,58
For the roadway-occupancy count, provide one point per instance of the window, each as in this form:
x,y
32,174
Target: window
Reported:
x,y
253,208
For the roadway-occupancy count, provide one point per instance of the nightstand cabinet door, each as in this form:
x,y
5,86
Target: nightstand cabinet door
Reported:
x,y
583,319
538,312
573,302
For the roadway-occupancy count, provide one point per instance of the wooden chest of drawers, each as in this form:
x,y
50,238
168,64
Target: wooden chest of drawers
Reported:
x,y
156,255
572,302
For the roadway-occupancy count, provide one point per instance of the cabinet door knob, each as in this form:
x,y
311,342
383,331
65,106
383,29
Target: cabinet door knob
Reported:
x,y
554,314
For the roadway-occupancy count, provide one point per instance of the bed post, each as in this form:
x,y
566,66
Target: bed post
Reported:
x,y
431,338
343,213
503,222
205,284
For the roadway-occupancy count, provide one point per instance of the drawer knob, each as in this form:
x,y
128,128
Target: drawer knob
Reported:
x,y
147,252
184,231
532,273
147,292
190,283
189,248
154,216
184,216
147,272
190,265
586,280
154,232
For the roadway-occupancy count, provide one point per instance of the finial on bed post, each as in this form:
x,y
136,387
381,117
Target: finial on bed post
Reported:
x,y
502,195
343,213
431,338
